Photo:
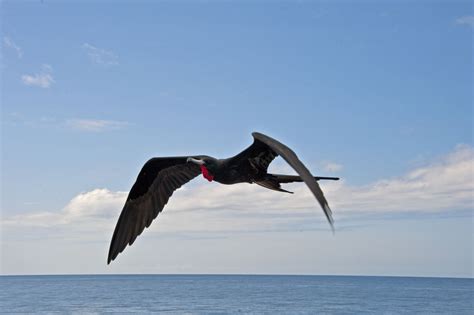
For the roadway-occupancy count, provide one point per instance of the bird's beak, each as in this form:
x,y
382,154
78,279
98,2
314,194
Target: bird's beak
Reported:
x,y
195,161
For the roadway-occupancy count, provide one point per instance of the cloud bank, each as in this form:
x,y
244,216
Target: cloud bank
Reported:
x,y
445,185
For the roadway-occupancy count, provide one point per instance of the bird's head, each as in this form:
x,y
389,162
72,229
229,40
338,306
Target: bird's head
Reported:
x,y
208,165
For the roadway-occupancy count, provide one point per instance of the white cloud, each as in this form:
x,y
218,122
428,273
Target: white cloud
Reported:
x,y
98,203
44,79
95,125
100,56
88,210
87,125
466,20
332,167
445,185
9,43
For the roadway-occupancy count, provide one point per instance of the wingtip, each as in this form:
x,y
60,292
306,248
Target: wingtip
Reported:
x,y
328,213
110,258
257,134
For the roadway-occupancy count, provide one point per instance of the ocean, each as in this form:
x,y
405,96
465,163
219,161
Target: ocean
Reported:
x,y
233,294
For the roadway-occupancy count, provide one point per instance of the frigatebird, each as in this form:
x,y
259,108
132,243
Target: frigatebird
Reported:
x,y
161,176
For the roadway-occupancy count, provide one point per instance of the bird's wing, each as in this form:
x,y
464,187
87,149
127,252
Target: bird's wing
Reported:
x,y
155,184
259,153
289,156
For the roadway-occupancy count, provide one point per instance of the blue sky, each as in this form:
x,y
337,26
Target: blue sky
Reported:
x,y
377,93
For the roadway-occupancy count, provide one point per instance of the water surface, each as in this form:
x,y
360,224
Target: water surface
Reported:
x,y
221,294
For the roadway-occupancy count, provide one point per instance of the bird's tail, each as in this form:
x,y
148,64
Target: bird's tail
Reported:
x,y
273,181
272,184
294,178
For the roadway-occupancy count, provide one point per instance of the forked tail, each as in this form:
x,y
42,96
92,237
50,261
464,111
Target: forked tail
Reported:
x,y
295,178
273,181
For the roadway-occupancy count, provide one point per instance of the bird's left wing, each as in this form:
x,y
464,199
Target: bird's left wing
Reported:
x,y
289,156
155,184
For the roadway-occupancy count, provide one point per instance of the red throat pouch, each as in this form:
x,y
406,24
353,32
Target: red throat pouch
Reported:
x,y
206,174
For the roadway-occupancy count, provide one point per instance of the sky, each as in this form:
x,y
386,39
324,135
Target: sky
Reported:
x,y
377,93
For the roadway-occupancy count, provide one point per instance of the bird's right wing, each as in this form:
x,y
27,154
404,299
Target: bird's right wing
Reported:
x,y
289,156
155,184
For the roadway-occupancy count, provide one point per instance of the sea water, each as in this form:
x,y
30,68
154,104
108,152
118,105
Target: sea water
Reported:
x,y
223,294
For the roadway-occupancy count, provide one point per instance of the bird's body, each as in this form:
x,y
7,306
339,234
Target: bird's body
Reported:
x,y
160,177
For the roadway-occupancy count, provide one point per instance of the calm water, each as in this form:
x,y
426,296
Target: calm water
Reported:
x,y
196,294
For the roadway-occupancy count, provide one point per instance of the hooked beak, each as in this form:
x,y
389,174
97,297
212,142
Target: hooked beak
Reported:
x,y
195,161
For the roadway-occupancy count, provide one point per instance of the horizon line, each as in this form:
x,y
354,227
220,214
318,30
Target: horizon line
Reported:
x,y
233,274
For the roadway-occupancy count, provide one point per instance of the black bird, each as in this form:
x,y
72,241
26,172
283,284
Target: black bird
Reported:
x,y
160,177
